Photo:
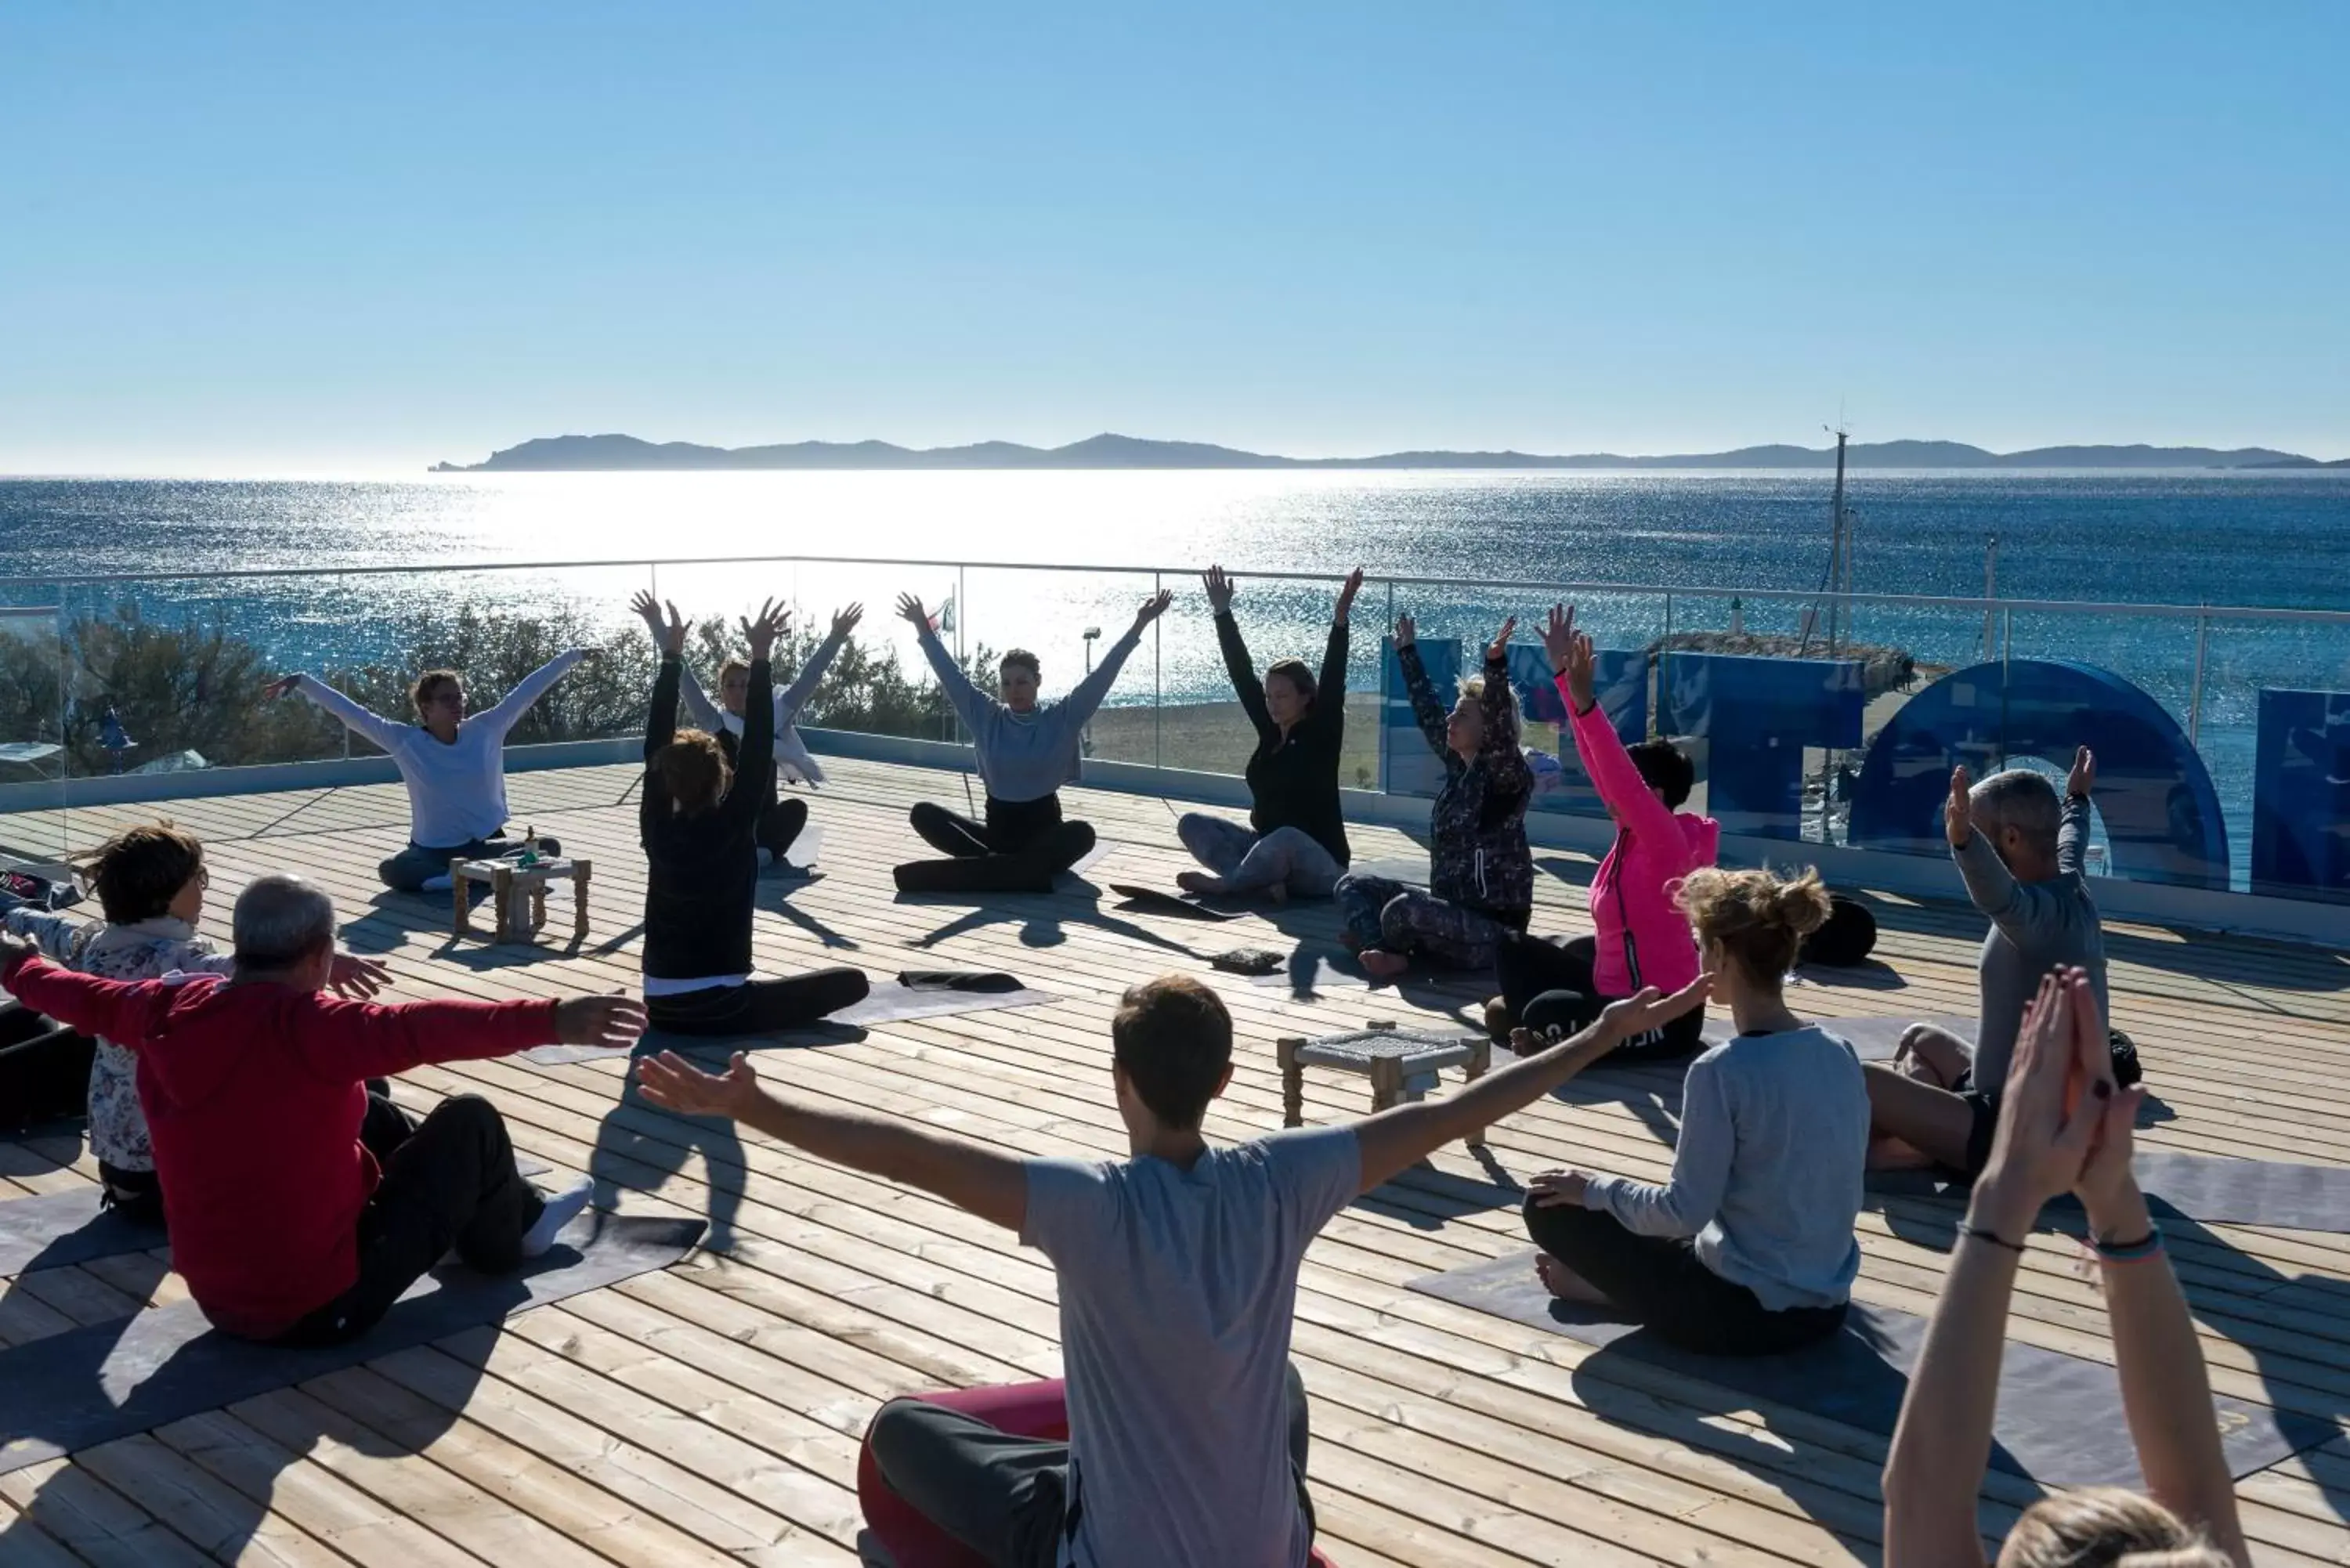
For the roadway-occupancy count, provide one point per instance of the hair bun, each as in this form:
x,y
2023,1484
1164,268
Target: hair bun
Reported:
x,y
1802,905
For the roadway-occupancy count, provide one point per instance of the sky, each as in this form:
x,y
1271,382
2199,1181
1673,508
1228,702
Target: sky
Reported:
x,y
326,238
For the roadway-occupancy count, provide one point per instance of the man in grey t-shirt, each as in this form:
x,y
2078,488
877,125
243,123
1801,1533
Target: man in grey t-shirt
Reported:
x,y
1178,1276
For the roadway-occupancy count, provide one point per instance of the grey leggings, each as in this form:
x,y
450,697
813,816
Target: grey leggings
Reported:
x,y
1381,912
1249,862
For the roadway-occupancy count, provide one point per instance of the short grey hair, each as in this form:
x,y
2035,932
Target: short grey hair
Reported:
x,y
2020,799
280,920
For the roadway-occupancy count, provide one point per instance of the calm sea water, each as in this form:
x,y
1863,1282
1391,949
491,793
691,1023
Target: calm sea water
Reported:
x,y
2278,539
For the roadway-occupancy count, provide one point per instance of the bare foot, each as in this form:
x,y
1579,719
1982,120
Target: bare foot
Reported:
x,y
1892,1154
1381,964
1199,883
1497,1021
1566,1284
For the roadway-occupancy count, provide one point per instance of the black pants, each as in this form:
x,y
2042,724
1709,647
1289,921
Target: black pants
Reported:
x,y
761,1007
1659,1282
780,822
1548,985
138,1195
1020,849
1005,1497
448,1181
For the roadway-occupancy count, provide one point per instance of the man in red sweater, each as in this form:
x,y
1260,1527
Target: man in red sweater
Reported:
x,y
300,1208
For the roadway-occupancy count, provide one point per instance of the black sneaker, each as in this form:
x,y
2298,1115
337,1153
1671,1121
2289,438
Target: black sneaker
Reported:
x,y
2126,1070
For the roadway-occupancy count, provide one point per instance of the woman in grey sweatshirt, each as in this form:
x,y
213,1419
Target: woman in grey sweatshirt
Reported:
x,y
1748,1250
1025,751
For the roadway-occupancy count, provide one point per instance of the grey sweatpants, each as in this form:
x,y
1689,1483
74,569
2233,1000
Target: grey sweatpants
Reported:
x,y
1249,862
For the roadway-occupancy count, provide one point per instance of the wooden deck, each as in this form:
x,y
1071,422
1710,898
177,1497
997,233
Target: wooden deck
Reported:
x,y
712,1412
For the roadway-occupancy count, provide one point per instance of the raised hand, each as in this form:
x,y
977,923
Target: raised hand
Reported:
x,y
843,621
2083,780
909,609
673,1083
1651,1009
1559,1189
281,687
1558,637
774,619
600,1020
1406,632
1153,608
648,610
1220,590
357,978
1958,812
1353,586
670,633
14,948
2055,1104
1498,648
2106,1182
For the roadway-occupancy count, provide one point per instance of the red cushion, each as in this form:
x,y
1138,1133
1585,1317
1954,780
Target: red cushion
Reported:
x,y
1023,1409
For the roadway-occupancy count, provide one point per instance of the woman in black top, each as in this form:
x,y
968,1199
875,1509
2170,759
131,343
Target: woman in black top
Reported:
x,y
699,819
1296,842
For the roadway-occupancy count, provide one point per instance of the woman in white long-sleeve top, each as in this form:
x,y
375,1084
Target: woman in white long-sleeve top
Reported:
x,y
1749,1248
780,819
453,763
1025,751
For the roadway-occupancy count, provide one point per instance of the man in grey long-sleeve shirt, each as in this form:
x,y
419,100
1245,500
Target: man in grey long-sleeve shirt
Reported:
x,y
2021,853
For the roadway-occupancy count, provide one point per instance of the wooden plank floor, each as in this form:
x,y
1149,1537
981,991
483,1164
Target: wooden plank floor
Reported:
x,y
711,1413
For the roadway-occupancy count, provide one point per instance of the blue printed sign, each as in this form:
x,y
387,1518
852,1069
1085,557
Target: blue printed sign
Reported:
x,y
1756,716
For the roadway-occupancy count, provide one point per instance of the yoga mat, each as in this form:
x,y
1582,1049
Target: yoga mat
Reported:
x,y
2060,1417
805,848
2203,1189
1411,870
1873,1039
1155,901
109,1380
1338,969
888,1003
55,1228
1091,858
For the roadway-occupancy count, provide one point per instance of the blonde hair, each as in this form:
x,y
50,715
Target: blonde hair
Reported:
x,y
1473,687
1758,919
2106,1527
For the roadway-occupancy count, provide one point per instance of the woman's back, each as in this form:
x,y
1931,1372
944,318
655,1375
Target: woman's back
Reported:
x,y
1797,1113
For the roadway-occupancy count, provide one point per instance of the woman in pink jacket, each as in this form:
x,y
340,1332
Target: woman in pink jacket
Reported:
x,y
1642,938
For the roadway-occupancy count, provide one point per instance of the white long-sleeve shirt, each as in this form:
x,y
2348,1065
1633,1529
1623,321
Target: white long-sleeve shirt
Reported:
x,y
456,791
1767,1172
791,756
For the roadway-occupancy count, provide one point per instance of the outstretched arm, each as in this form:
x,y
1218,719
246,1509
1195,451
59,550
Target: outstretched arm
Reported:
x,y
2073,826
57,936
1426,711
1329,709
796,696
115,1010
383,731
1242,670
1080,704
978,1180
1395,1140
1505,760
972,705
1701,1158
529,690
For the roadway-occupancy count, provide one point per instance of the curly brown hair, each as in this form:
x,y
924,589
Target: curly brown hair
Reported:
x,y
137,873
692,770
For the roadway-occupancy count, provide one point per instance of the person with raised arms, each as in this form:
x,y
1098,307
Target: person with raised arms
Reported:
x,y
1749,1249
2063,1126
698,818
301,1206
2022,856
781,820
1481,872
1295,845
1025,750
454,764
1640,936
1178,1269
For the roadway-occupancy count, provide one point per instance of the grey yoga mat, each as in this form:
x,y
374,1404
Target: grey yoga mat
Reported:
x,y
110,1380
2205,1188
55,1228
2060,1417
888,1003
1338,970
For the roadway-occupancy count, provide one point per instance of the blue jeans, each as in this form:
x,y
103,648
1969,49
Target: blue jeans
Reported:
x,y
408,871
1249,862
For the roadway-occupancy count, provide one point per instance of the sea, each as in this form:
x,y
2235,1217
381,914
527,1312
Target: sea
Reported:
x,y
1035,560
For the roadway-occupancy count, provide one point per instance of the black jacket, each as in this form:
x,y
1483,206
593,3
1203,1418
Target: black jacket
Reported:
x,y
703,870
1294,780
1477,829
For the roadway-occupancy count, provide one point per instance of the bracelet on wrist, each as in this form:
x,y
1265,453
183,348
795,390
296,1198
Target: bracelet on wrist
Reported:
x,y
1985,1234
2130,1252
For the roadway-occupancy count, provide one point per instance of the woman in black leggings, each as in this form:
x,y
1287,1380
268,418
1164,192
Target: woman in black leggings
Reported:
x,y
699,820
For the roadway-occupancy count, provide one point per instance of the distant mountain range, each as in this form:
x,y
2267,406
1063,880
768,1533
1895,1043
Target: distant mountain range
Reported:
x,y
625,453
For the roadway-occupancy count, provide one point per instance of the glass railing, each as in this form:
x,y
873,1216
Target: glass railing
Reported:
x,y
2225,733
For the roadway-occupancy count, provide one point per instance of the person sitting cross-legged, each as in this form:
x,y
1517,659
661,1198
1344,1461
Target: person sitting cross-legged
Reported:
x,y
2022,856
1178,1280
2065,1126
302,1206
1749,1249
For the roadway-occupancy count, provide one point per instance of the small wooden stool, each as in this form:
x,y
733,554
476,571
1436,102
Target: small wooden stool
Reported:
x,y
1401,1065
517,896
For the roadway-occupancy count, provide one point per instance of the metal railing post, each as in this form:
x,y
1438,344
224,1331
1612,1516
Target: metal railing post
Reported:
x,y
2195,695
1157,686
1379,730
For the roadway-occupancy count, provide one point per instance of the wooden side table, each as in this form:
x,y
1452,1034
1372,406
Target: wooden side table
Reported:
x,y
517,896
1401,1065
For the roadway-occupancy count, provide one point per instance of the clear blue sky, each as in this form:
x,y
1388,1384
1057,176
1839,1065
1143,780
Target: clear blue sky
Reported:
x,y
306,235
